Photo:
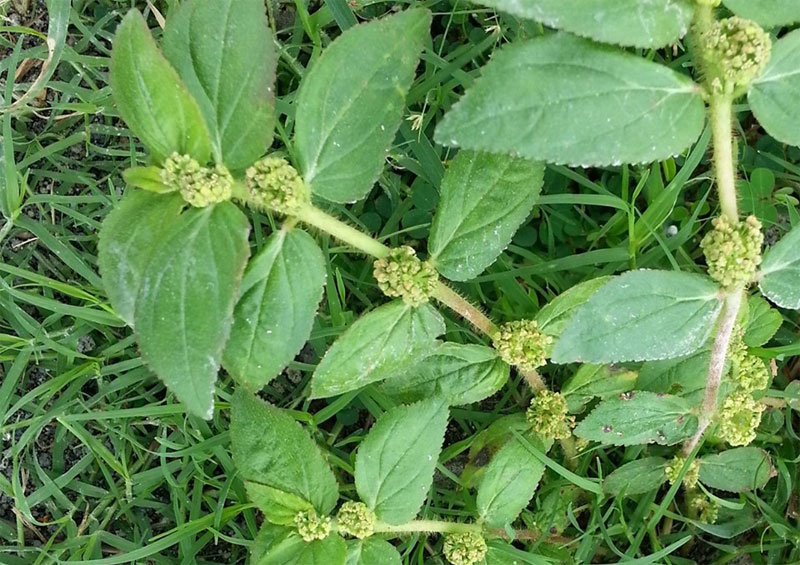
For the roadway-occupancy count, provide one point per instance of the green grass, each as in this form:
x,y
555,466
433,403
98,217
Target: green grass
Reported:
x,y
99,465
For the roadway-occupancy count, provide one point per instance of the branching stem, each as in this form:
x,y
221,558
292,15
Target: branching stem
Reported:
x,y
720,111
313,216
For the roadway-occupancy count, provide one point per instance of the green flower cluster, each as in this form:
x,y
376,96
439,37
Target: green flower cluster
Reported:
x,y
312,527
402,274
523,344
355,519
272,183
548,417
200,186
704,508
692,476
749,373
738,419
465,548
737,52
733,250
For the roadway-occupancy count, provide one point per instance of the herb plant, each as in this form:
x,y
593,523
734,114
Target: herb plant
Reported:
x,y
657,357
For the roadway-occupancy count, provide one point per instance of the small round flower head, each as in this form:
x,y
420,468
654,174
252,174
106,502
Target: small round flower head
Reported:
x,y
274,184
465,548
310,526
737,51
733,250
523,344
548,417
751,374
673,470
356,520
704,508
200,186
402,274
738,419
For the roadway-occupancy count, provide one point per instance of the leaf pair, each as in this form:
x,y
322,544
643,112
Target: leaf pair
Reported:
x,y
175,278
734,470
211,94
285,473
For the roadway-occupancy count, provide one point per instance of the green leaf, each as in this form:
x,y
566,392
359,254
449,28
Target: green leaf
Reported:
x,y
775,96
781,271
509,482
484,199
639,417
490,441
640,316
281,290
268,536
737,470
151,97
279,506
224,51
636,23
184,308
377,346
592,381
271,449
346,121
756,196
147,178
395,461
637,477
683,376
128,237
371,551
563,99
294,550
462,374
555,315
769,13
763,322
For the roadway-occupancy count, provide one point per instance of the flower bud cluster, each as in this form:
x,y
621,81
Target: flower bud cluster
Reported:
x,y
355,519
704,508
737,50
523,344
466,548
748,372
312,527
199,186
739,417
692,476
274,184
548,417
402,274
733,250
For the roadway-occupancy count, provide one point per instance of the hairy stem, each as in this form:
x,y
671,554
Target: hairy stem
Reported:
x,y
721,113
727,321
442,527
463,307
314,216
431,526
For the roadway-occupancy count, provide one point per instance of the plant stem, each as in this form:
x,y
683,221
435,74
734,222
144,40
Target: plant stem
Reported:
x,y
431,526
312,215
441,527
464,308
721,113
727,321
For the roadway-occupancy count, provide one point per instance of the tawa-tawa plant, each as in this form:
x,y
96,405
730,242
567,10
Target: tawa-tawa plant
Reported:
x,y
668,356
